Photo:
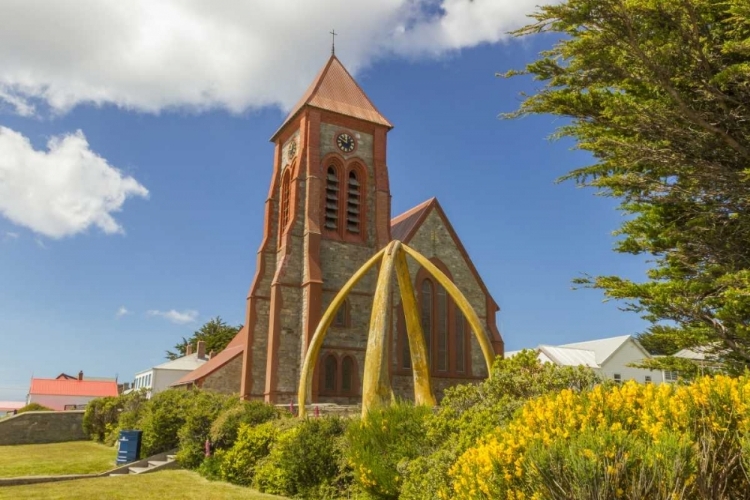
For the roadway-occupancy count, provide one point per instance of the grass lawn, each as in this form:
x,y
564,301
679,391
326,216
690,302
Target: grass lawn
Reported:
x,y
161,485
75,457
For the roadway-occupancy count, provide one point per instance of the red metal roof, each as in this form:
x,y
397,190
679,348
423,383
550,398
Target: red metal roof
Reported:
x,y
405,225
66,387
335,90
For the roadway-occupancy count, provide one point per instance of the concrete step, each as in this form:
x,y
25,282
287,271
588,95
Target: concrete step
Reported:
x,y
139,470
157,463
171,458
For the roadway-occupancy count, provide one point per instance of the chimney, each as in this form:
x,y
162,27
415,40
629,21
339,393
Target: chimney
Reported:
x,y
201,349
80,375
189,350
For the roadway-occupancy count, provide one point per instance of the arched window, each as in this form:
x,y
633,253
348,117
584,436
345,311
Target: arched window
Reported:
x,y
460,342
445,329
332,199
330,371
347,374
285,196
353,195
426,313
341,319
441,329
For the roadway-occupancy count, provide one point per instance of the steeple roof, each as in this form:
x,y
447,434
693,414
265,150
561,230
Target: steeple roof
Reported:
x,y
335,90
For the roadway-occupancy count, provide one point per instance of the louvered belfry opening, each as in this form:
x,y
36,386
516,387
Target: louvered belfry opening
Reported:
x,y
353,203
332,200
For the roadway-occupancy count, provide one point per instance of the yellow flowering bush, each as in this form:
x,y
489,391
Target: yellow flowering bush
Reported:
x,y
632,440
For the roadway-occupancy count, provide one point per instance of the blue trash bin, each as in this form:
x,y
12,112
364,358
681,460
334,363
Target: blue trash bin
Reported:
x,y
129,447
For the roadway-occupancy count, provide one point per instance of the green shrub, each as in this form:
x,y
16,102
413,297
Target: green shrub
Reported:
x,y
210,468
161,420
304,460
101,421
253,443
381,445
226,426
470,411
199,411
33,407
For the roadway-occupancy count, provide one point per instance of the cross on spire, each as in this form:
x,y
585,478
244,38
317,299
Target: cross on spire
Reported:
x,y
333,41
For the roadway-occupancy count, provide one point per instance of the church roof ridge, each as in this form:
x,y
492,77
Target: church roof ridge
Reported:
x,y
334,89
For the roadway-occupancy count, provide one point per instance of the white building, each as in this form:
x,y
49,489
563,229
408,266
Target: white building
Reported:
x,y
160,377
609,357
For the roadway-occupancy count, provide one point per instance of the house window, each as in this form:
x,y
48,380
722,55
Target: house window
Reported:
x,y
285,196
332,199
617,377
648,379
670,376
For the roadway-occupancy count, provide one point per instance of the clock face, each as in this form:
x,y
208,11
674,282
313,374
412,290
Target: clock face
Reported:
x,y
292,150
345,142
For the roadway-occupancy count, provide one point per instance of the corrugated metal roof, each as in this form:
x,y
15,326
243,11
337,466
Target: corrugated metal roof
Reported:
x,y
404,225
566,356
65,387
234,349
603,348
190,362
334,89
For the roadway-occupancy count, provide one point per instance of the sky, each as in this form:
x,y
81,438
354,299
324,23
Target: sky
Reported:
x,y
135,162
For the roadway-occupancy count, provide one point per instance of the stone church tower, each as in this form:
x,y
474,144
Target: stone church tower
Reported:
x,y
327,212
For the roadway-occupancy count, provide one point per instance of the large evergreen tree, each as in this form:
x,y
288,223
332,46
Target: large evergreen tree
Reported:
x,y
216,334
659,92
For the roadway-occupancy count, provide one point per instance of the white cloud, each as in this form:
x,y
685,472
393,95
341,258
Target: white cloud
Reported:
x,y
62,191
181,318
236,54
122,311
9,235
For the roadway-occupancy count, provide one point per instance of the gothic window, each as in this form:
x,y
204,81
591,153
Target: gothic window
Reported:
x,y
332,199
338,377
330,372
445,329
426,313
441,329
285,195
353,193
460,342
347,374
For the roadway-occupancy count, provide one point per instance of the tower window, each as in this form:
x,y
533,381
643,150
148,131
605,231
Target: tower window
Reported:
x,y
285,195
332,199
353,194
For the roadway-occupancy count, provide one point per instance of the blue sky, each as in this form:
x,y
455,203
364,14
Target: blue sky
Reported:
x,y
185,252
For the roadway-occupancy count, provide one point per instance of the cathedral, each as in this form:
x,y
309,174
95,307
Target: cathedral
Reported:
x,y
327,212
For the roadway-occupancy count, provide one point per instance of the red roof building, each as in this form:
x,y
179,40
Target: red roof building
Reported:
x,y
64,393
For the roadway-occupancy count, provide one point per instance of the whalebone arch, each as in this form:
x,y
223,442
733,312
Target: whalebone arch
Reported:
x,y
376,388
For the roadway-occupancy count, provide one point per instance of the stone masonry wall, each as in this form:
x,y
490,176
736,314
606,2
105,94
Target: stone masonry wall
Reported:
x,y
39,427
433,239
339,261
227,379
